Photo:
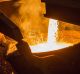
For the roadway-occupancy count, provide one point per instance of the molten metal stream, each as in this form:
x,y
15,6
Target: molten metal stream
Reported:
x,y
52,43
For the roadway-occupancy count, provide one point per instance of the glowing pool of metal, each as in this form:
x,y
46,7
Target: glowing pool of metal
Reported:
x,y
51,43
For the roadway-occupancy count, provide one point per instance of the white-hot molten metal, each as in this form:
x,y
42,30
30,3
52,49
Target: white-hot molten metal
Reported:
x,y
52,43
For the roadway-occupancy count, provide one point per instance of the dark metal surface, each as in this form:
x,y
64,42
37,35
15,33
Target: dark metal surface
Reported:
x,y
65,10
8,28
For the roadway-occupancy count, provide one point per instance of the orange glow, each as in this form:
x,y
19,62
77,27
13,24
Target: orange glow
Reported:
x,y
52,43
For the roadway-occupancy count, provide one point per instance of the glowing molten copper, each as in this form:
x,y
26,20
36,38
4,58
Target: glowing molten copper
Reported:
x,y
52,43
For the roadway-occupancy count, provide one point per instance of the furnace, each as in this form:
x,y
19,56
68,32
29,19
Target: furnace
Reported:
x,y
45,35
42,34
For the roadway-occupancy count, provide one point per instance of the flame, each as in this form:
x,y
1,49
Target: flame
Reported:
x,y
52,43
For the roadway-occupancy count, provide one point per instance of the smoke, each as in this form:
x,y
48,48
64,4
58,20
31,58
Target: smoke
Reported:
x,y
30,20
